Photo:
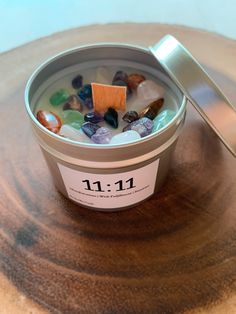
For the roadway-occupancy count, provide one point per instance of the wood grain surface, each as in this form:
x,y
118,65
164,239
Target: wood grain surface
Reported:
x,y
173,254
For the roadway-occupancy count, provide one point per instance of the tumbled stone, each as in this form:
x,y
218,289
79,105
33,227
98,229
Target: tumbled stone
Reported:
x,y
148,123
90,128
93,117
76,125
130,116
152,109
143,126
125,137
89,103
120,76
85,92
59,97
73,103
150,90
49,120
102,136
140,129
103,76
73,117
77,82
70,132
135,79
111,117
162,119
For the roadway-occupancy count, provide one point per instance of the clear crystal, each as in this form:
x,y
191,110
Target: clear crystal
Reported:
x,y
74,134
149,90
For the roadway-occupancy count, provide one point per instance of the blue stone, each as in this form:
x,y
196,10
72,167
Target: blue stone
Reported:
x,y
85,92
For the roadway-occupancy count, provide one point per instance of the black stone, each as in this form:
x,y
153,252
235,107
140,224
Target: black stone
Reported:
x,y
77,82
111,117
93,117
119,83
120,76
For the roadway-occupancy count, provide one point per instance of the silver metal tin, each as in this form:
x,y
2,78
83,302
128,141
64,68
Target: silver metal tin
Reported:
x,y
199,88
100,160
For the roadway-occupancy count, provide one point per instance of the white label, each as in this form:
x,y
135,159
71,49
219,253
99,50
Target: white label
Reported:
x,y
110,190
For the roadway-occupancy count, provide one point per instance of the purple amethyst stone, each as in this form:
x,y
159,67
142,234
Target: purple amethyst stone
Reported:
x,y
88,102
102,136
143,126
90,128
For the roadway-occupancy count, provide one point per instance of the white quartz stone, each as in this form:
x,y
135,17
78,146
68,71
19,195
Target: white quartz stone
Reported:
x,y
149,90
74,134
125,137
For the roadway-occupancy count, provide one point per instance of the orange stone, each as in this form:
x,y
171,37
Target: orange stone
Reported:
x,y
135,79
49,120
152,109
108,96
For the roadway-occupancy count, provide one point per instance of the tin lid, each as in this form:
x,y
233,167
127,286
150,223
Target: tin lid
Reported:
x,y
199,88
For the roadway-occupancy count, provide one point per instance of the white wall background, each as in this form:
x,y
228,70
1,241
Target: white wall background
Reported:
x,y
25,20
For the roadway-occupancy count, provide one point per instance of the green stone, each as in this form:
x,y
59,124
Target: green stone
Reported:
x,y
162,119
59,97
74,118
76,125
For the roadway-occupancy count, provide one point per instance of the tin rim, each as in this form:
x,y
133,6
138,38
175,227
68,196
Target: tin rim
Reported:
x,y
91,145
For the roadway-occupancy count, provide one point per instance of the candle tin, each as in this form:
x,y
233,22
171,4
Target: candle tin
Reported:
x,y
106,177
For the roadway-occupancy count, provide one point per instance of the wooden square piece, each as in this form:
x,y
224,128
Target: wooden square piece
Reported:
x,y
106,96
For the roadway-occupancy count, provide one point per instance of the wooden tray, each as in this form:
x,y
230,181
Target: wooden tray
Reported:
x,y
174,253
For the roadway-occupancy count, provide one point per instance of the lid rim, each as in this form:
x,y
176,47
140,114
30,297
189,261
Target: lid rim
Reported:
x,y
199,88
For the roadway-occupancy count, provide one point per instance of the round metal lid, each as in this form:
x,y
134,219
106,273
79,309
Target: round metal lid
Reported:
x,y
199,88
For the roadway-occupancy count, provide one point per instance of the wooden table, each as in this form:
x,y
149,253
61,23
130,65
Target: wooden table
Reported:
x,y
174,253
